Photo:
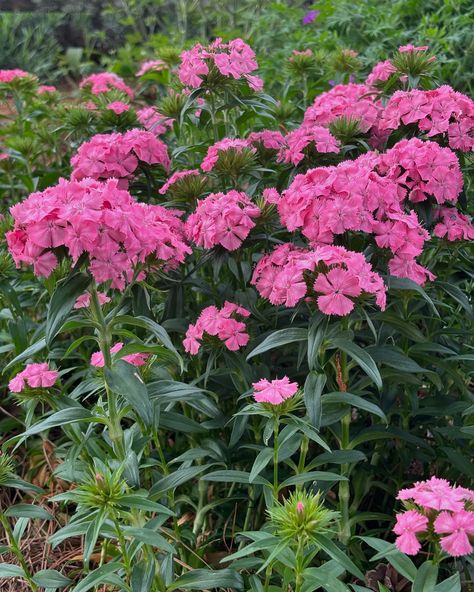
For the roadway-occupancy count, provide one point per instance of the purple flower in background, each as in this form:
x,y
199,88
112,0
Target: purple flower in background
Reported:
x,y
311,16
332,82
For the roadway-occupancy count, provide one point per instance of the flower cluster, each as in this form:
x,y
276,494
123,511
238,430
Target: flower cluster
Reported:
x,y
440,111
356,101
275,391
104,82
99,220
151,66
7,76
221,323
333,276
138,359
453,225
118,155
370,195
84,300
153,121
271,140
224,219
234,59
35,376
380,73
227,145
316,137
441,509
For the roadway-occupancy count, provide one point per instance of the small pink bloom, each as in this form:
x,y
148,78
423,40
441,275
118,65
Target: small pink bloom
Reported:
x,y
118,107
407,526
336,286
275,391
459,526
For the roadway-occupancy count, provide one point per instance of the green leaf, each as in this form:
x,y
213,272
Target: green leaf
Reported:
x,y
355,401
452,584
18,483
8,570
149,537
92,534
312,476
60,418
143,575
407,284
50,578
426,577
176,479
233,477
401,562
62,302
27,353
143,503
98,576
204,579
279,338
316,331
338,555
123,379
395,359
261,461
458,295
363,359
313,387
28,511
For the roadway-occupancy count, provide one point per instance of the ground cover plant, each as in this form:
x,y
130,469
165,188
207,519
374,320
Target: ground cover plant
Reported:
x,y
237,328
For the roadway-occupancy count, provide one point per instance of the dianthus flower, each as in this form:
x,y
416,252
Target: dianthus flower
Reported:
x,y
35,376
355,101
275,391
438,111
459,527
104,82
153,121
175,177
222,219
138,359
7,76
118,107
118,155
226,145
234,59
84,300
380,72
318,138
220,323
45,89
284,275
101,221
271,140
410,47
442,509
151,65
408,525
454,225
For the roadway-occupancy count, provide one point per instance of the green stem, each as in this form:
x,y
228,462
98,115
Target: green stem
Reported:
x,y
105,342
16,550
275,460
299,566
123,547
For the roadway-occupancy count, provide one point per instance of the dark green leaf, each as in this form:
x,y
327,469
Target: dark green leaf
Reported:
x,y
279,338
205,579
123,379
50,578
361,357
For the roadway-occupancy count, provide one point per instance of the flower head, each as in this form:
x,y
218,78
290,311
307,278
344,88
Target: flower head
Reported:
x,y
275,391
34,376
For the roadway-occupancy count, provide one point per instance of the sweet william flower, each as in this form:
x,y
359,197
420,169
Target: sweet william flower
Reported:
x,y
275,391
408,525
118,107
335,287
138,359
458,527
35,376
104,82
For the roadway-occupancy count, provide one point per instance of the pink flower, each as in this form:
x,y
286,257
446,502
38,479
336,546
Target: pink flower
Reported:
x,y
316,137
7,76
436,494
234,59
118,107
153,121
151,65
227,144
275,391
458,526
176,177
222,218
84,300
335,286
410,47
104,82
380,72
45,89
220,323
100,220
35,375
407,526
138,359
270,140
